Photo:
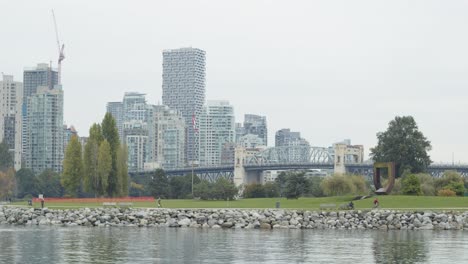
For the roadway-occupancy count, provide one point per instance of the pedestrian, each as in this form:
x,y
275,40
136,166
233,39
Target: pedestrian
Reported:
x,y
42,202
351,205
159,202
376,202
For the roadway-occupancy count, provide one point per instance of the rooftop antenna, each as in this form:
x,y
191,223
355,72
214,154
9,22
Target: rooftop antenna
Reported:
x,y
60,50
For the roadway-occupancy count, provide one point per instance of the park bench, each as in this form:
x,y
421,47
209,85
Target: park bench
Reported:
x,y
105,204
125,204
327,206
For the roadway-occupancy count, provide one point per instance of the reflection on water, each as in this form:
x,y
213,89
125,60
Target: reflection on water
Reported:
x,y
166,245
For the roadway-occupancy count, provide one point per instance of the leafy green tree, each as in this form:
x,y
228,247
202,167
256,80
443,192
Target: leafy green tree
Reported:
x,y
111,134
122,170
7,183
254,190
203,190
224,189
271,189
90,159
159,184
6,157
296,185
337,185
403,144
411,185
72,167
104,166
26,182
136,189
314,187
281,181
49,184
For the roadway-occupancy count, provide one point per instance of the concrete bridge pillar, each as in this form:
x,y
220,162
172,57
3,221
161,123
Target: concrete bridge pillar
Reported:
x,y
239,170
339,166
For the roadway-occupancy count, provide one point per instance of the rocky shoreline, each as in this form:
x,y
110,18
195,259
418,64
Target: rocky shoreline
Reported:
x,y
238,218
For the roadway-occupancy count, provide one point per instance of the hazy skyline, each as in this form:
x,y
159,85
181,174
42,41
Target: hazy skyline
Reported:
x,y
329,69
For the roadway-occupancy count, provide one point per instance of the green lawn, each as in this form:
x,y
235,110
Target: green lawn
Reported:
x,y
386,202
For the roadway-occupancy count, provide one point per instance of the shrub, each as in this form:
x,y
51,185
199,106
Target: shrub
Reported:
x,y
336,185
254,190
428,189
451,180
446,192
315,190
360,184
411,185
397,187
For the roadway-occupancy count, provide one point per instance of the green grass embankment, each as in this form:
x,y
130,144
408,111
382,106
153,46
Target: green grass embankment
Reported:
x,y
386,202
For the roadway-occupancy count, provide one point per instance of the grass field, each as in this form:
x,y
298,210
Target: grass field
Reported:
x,y
386,202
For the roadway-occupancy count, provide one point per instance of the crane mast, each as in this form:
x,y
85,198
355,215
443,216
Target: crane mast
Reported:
x,y
61,56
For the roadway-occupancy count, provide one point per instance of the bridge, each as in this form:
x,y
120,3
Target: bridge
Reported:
x,y
249,165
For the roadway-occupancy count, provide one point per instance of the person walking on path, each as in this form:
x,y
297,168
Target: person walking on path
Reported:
x,y
376,202
42,202
159,202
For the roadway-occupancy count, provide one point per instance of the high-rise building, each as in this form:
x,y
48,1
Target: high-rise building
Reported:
x,y
167,137
256,125
136,139
250,141
11,99
116,110
296,148
44,126
284,136
184,90
68,132
217,127
33,78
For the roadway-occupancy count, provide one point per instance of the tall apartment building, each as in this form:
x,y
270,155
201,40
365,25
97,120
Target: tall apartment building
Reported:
x,y
217,127
167,137
136,139
253,125
42,77
11,100
256,125
184,90
296,147
68,133
116,110
44,126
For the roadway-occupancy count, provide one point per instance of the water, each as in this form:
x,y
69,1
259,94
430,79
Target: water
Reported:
x,y
168,245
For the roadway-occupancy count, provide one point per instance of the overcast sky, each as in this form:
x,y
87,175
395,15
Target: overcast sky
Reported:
x,y
329,69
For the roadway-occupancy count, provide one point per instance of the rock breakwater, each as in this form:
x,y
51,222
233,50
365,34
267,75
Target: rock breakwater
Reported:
x,y
237,218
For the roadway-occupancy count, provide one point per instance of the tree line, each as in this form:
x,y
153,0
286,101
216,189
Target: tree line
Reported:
x,y
100,171
180,187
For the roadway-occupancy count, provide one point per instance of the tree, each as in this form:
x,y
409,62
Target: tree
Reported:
x,y
271,189
122,170
296,185
49,184
6,157
315,189
203,190
450,180
224,189
26,182
159,184
281,181
411,185
72,167
7,183
90,159
254,190
104,166
111,134
403,144
337,185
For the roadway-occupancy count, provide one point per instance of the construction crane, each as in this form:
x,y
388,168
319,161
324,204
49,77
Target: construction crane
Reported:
x,y
60,50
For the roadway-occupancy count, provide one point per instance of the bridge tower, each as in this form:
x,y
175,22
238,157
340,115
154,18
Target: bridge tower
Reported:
x,y
351,154
239,170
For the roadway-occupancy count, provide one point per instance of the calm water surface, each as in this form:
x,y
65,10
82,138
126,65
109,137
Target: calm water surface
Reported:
x,y
168,245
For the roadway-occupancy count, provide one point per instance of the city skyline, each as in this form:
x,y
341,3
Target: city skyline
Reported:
x,y
347,81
